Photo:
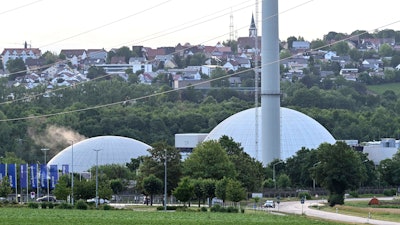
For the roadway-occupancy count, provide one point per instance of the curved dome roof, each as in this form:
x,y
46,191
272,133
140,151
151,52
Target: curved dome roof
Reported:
x,y
297,130
113,150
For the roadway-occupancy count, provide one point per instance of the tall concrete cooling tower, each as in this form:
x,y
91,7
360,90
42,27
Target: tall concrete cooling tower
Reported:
x,y
270,83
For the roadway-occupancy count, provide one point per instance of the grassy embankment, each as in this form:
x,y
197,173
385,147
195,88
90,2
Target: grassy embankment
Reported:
x,y
387,210
23,215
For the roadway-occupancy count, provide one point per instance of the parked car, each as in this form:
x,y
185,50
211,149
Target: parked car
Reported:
x,y
216,201
46,199
115,198
101,201
269,204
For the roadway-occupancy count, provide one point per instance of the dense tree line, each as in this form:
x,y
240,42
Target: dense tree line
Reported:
x,y
157,117
347,109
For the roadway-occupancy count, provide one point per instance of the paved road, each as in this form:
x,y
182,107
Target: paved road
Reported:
x,y
296,207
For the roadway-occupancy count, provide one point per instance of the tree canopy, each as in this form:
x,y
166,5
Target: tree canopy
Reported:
x,y
16,67
208,160
339,169
154,164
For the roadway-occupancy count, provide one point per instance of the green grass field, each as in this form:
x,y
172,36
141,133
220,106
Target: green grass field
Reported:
x,y
22,215
389,212
379,89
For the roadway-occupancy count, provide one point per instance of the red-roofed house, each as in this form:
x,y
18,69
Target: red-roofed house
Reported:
x,y
75,56
152,53
23,53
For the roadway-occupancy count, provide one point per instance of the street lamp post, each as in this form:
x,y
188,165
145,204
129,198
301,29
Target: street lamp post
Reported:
x,y
273,172
72,173
97,179
364,163
314,181
165,181
378,175
45,150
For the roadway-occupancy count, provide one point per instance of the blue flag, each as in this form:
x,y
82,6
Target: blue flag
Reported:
x,y
12,175
43,176
53,176
23,175
65,169
34,175
2,171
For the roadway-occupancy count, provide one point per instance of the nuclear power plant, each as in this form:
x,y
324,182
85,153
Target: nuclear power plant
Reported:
x,y
268,132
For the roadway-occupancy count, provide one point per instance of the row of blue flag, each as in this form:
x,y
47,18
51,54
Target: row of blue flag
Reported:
x,y
32,174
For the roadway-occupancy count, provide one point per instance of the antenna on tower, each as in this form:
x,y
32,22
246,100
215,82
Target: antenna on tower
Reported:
x,y
231,30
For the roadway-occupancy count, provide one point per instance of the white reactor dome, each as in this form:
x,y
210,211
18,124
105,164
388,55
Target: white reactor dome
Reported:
x,y
111,150
297,130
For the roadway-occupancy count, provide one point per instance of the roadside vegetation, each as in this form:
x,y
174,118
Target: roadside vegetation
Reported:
x,y
388,210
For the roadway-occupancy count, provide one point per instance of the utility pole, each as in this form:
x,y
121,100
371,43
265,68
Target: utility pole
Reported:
x,y
97,178
72,172
273,172
45,150
165,181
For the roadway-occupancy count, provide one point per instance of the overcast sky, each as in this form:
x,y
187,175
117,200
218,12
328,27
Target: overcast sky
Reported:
x,y
54,24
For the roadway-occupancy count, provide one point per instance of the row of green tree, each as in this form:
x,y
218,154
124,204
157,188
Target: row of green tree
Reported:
x,y
222,169
347,109
200,175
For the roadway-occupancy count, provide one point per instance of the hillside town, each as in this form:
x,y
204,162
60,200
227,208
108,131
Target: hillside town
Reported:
x,y
350,56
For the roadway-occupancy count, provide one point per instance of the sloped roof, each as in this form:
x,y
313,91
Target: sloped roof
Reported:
x,y
72,52
35,51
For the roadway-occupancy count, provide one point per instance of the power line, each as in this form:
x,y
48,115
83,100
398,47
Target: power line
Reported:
x,y
178,89
19,7
107,24
110,104
189,24
159,34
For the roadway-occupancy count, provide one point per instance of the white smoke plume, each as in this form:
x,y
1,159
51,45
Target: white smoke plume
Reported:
x,y
55,138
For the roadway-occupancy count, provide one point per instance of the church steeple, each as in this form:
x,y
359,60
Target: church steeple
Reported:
x,y
253,28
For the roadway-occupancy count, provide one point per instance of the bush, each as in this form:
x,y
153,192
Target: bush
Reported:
x,y
232,209
43,205
354,194
389,192
169,207
186,209
107,207
304,195
65,206
50,205
215,208
33,205
203,209
242,210
5,202
336,199
81,205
